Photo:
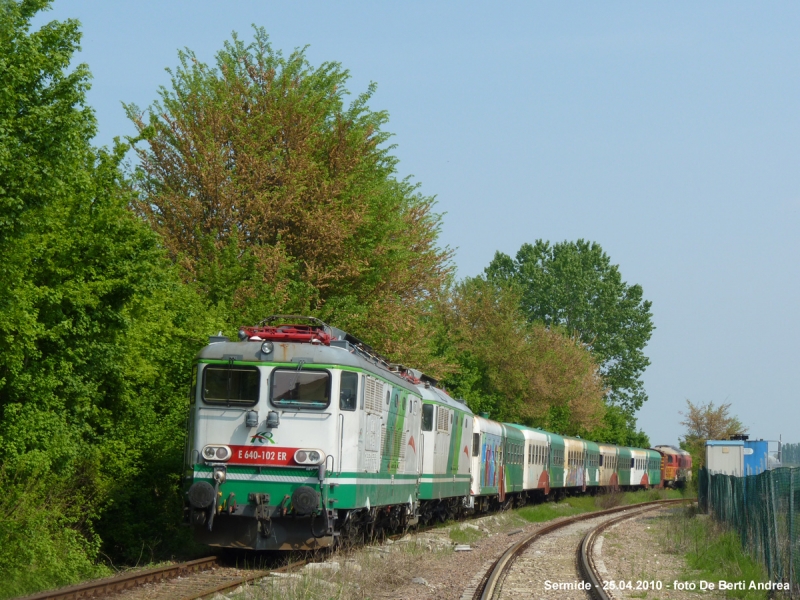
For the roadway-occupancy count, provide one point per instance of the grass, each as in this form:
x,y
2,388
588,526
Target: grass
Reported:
x,y
713,553
361,574
582,504
465,534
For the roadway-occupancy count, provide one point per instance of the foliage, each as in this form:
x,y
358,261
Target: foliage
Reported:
x,y
619,427
573,285
94,327
45,123
790,455
706,422
515,370
274,196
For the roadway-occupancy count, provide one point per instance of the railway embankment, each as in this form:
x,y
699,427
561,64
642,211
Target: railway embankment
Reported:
x,y
445,562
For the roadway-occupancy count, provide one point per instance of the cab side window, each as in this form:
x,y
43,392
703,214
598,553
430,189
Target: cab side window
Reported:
x,y
427,417
348,391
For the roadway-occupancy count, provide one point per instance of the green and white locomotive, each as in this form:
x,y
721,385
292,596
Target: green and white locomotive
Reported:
x,y
301,436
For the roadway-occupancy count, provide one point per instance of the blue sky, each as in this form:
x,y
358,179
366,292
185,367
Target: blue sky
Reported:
x,y
668,133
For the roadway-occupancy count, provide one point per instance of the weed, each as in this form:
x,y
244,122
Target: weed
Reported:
x,y
576,505
465,535
712,551
609,500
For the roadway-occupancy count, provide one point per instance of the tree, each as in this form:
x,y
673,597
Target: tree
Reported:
x,y
97,333
790,455
705,422
514,370
274,196
574,286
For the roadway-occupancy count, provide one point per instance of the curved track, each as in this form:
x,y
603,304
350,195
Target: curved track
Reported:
x,y
492,581
205,577
190,580
586,554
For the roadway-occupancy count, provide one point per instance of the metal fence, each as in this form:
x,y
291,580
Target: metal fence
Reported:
x,y
762,509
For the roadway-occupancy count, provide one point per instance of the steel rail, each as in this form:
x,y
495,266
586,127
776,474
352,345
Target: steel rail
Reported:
x,y
586,564
119,583
494,576
247,579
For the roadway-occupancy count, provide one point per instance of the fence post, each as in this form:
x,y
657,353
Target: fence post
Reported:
x,y
775,525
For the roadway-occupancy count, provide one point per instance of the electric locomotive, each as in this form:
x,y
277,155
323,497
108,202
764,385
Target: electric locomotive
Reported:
x,y
298,432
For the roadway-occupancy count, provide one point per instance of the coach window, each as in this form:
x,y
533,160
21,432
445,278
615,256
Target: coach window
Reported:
x,y
427,417
476,444
348,391
292,388
231,384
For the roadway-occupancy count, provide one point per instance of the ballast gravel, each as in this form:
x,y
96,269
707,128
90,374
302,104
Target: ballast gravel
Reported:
x,y
633,551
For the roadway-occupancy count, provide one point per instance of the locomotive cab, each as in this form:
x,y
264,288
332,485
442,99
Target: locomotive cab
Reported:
x,y
294,436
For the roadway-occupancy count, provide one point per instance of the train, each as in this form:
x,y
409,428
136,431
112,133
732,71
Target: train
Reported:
x,y
301,436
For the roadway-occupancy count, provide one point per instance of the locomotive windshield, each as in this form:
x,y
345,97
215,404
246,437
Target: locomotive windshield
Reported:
x,y
230,385
303,389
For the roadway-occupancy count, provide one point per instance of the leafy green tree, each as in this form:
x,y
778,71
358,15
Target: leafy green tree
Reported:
x,y
619,427
705,422
574,286
514,370
95,330
274,195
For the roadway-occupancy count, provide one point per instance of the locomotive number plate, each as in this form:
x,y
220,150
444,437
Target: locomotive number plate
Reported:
x,y
248,455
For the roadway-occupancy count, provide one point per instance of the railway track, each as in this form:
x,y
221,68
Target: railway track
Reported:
x,y
192,580
490,586
586,554
205,577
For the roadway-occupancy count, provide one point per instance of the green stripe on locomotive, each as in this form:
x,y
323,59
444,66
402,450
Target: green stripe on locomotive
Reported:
x,y
340,490
456,434
390,454
357,490
435,487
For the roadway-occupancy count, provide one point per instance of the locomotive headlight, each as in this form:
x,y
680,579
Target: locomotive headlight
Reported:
x,y
216,453
266,347
308,456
